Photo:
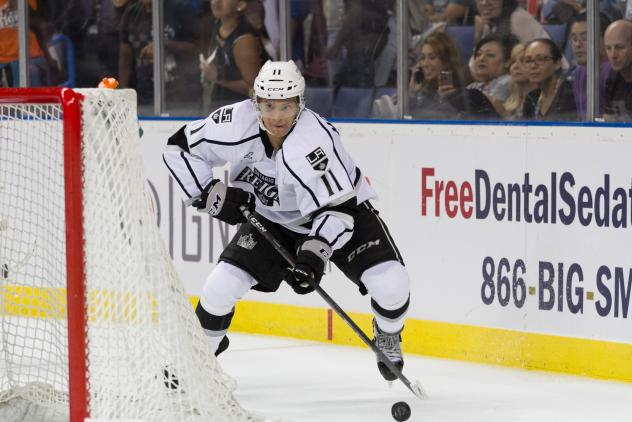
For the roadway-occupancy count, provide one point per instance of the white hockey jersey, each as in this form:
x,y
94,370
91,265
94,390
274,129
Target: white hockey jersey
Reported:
x,y
297,186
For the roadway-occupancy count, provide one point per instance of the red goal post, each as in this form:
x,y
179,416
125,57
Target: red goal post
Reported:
x,y
99,328
70,102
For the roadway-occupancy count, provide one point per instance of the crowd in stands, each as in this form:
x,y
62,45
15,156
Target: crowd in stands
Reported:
x,y
469,59
523,66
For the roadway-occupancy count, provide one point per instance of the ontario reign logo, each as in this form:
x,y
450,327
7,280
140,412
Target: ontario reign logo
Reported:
x,y
264,186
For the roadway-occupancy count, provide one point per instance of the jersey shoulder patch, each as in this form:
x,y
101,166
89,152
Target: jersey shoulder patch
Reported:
x,y
318,159
309,145
223,115
231,124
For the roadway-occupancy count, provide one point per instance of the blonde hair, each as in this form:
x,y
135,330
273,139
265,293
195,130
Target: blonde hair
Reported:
x,y
517,91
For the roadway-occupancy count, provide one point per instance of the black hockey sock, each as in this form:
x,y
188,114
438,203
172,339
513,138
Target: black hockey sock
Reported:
x,y
212,322
388,314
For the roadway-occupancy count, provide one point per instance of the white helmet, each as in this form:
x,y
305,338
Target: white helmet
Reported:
x,y
279,80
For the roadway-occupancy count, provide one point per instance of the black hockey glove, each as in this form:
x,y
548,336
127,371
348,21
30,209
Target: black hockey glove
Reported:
x,y
311,258
223,202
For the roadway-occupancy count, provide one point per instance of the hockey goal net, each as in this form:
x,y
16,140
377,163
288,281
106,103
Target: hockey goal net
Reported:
x,y
95,322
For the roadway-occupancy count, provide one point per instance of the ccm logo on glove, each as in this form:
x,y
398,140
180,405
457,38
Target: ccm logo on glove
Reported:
x,y
308,270
224,202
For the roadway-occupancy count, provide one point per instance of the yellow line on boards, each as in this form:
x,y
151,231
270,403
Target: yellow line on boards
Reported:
x,y
592,358
126,307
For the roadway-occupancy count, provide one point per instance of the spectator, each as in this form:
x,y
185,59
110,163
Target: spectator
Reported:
x,y
437,85
299,11
271,22
96,39
255,14
578,37
492,56
555,12
506,17
363,34
334,12
553,98
40,61
438,53
236,54
136,51
418,16
520,84
385,62
567,11
309,34
452,12
316,67
618,43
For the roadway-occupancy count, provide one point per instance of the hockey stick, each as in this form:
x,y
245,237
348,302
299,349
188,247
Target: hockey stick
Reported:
x,y
415,387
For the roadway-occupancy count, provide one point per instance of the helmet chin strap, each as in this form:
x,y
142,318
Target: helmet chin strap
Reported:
x,y
260,118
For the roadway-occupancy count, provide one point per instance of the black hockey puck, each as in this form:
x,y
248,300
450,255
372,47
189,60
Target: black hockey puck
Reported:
x,y
400,411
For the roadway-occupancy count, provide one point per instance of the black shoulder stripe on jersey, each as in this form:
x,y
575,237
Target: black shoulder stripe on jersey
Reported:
x,y
357,178
179,139
333,145
299,179
175,177
213,141
194,131
332,127
320,118
197,182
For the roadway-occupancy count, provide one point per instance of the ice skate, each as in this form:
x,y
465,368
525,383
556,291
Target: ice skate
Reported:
x,y
390,345
171,379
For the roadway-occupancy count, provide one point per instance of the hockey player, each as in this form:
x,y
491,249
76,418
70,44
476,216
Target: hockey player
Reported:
x,y
288,165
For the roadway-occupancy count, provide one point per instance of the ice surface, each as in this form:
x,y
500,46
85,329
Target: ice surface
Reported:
x,y
317,382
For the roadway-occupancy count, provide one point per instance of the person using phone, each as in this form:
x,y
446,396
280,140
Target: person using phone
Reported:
x,y
437,88
439,72
446,82
438,55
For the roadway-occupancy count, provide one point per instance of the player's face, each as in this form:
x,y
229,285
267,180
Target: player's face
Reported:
x,y
278,115
618,42
579,33
489,62
430,63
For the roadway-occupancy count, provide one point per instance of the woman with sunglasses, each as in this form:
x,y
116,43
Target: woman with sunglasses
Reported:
x,y
553,99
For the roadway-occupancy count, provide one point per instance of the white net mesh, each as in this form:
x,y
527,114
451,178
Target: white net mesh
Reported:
x,y
147,356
